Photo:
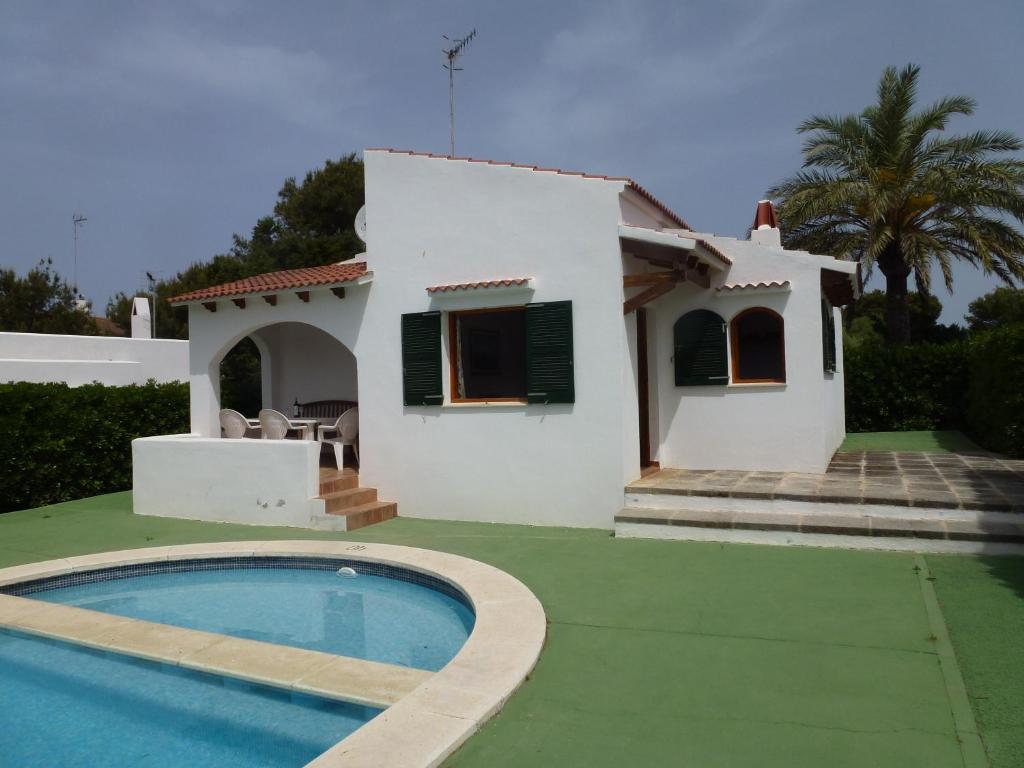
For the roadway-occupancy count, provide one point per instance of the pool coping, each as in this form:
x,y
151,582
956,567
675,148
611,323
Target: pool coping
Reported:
x,y
424,725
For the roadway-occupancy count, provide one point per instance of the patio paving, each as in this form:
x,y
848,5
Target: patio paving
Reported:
x,y
969,481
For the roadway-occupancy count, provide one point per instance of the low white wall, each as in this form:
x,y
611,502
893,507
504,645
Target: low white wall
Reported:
x,y
77,360
257,482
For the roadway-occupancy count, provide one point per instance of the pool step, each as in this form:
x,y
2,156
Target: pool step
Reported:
x,y
362,515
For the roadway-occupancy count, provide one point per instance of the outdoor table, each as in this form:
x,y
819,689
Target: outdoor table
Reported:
x,y
312,424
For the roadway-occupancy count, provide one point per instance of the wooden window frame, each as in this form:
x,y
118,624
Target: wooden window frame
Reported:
x,y
734,346
453,356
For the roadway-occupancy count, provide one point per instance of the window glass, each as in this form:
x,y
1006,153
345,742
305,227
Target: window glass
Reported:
x,y
758,351
490,357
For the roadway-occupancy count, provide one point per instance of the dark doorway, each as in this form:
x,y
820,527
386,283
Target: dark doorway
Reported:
x,y
642,388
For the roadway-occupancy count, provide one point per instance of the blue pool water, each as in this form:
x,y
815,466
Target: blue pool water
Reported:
x,y
68,706
368,617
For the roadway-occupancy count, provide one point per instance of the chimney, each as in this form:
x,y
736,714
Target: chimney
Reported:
x,y
765,230
141,319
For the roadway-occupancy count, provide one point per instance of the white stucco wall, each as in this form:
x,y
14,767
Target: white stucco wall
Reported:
x,y
772,427
77,360
259,482
306,363
433,221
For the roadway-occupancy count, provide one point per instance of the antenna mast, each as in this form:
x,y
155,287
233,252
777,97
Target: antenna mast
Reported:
x,y
77,220
452,54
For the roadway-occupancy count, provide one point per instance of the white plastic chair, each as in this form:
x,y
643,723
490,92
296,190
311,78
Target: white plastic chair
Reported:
x,y
347,430
235,425
276,426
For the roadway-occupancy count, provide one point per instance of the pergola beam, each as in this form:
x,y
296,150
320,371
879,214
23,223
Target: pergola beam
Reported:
x,y
645,297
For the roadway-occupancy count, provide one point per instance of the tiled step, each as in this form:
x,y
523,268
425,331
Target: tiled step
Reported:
x,y
361,515
976,529
333,480
338,501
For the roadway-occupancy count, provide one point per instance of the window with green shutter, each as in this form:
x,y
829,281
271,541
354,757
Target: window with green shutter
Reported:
x,y
549,356
700,349
828,336
421,358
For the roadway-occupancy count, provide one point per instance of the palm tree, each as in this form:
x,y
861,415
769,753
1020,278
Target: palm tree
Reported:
x,y
888,188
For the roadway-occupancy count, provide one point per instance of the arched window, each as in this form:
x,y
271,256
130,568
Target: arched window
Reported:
x,y
758,346
700,356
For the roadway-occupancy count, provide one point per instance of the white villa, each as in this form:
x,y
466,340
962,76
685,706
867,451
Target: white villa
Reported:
x,y
522,343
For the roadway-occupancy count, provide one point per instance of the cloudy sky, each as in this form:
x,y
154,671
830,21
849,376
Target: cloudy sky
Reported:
x,y
172,125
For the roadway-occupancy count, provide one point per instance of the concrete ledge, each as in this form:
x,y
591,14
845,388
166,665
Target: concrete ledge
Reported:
x,y
794,538
432,714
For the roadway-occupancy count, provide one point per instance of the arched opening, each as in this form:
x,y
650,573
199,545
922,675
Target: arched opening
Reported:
x,y
294,368
758,347
241,378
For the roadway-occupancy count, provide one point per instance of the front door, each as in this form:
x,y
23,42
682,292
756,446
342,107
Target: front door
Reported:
x,y
642,388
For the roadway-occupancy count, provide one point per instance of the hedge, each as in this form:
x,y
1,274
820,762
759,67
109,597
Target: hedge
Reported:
x,y
995,397
61,443
974,386
897,389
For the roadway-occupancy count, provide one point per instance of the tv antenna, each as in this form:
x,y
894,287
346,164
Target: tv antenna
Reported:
x,y
452,54
77,220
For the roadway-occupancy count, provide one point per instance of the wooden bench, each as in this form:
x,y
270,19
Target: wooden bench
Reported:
x,y
325,409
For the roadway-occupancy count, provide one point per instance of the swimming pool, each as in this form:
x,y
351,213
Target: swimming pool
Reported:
x,y
383,614
70,706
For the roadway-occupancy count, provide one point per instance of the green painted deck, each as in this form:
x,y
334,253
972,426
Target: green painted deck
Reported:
x,y
686,653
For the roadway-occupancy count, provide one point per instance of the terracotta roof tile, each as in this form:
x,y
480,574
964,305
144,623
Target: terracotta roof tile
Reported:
x,y
755,286
307,277
676,218
507,282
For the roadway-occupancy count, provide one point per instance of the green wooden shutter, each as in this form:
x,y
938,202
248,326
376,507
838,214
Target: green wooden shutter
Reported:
x,y
828,336
700,349
421,358
549,366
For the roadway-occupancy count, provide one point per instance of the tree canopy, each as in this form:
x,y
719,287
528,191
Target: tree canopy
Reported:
x,y
312,224
890,189
1003,306
41,302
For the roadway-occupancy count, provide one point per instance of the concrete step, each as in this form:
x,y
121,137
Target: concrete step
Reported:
x,y
969,528
362,515
338,501
332,480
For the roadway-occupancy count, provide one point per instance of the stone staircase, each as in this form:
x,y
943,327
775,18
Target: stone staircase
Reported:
x,y
349,506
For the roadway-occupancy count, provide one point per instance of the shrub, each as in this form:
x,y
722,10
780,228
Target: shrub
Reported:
x,y
61,443
995,396
906,388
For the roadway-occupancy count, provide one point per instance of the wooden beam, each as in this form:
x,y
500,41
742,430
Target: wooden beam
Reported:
x,y
210,305
697,277
339,292
654,278
304,295
271,299
240,303
645,297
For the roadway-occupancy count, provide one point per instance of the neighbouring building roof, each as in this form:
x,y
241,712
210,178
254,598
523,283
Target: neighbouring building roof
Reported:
x,y
508,282
107,327
630,184
288,279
